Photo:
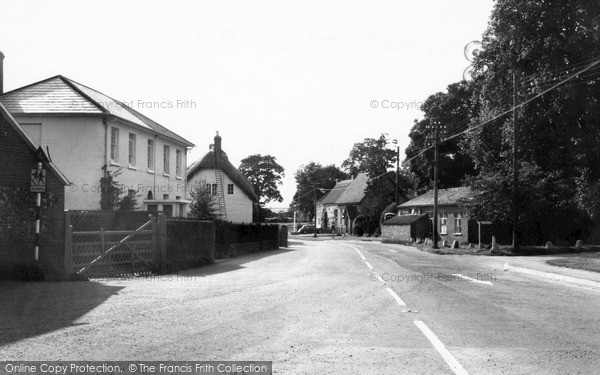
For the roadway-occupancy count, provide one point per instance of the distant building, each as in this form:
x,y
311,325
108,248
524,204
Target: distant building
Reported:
x,y
453,223
87,134
234,195
350,199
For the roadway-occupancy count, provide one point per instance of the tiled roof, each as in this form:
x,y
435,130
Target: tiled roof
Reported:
x,y
335,193
6,116
445,197
61,95
404,219
356,190
208,162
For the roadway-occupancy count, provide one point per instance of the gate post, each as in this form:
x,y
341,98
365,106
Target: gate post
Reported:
x,y
68,261
161,243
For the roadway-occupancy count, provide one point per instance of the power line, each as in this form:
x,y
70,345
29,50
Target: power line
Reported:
x,y
527,101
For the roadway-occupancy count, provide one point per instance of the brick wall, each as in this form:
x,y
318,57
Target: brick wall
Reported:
x,y
18,205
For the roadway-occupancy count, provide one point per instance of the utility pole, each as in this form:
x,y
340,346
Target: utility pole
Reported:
x,y
315,198
435,184
515,193
397,173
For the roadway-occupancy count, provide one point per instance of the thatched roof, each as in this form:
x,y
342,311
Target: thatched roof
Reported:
x,y
208,162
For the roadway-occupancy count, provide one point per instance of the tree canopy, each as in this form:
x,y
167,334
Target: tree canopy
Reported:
x,y
540,43
265,174
310,176
452,110
372,156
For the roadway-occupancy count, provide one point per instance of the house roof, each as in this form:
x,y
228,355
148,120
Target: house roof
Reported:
x,y
404,219
334,194
61,95
208,162
446,197
356,190
4,113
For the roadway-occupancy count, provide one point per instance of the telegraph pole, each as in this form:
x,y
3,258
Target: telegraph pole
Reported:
x,y
315,198
435,184
515,193
397,172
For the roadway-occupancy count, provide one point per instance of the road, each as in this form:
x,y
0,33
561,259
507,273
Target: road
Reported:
x,y
318,307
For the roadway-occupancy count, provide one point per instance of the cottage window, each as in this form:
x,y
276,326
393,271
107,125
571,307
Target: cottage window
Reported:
x,y
114,144
458,223
132,141
230,189
178,163
150,154
166,159
214,189
443,223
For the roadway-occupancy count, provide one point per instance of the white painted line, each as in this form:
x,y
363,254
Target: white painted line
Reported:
x,y
363,257
395,297
369,265
472,279
379,278
439,346
393,251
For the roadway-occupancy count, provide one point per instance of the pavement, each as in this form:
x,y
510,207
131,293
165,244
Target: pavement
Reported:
x,y
536,266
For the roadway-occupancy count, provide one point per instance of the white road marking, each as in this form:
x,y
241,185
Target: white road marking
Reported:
x,y
472,279
439,346
369,265
395,297
393,251
363,257
379,278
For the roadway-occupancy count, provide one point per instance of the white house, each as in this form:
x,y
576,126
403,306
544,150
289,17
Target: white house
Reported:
x,y
88,134
228,185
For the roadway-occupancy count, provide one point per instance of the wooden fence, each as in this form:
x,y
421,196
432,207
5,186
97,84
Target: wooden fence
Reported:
x,y
116,253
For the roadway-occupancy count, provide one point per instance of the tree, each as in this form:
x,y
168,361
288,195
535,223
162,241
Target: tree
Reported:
x,y
539,43
203,202
265,175
310,176
370,156
452,110
110,194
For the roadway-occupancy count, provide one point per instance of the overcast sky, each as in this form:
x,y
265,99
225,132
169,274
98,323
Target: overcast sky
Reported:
x,y
294,79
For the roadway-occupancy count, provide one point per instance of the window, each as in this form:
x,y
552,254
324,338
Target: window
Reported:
x,y
212,188
132,139
150,155
166,159
443,223
230,189
458,223
114,144
178,163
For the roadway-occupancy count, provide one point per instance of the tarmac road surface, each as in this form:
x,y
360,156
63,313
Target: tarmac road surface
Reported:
x,y
323,307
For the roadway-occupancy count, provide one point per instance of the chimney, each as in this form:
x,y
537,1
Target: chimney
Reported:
x,y
218,142
1,73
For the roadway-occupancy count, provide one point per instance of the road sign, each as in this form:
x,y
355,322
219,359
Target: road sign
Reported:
x,y
38,180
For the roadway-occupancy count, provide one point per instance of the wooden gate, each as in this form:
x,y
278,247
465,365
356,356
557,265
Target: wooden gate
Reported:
x,y
115,253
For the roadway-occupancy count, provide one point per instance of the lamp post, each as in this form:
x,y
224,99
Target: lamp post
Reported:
x,y
394,141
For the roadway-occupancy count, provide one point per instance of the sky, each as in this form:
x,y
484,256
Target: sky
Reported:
x,y
300,80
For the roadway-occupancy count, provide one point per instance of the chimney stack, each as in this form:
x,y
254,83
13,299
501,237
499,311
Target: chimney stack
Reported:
x,y
1,73
218,142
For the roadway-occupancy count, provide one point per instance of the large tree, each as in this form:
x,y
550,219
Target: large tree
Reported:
x,y
452,111
314,176
265,175
539,43
373,156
